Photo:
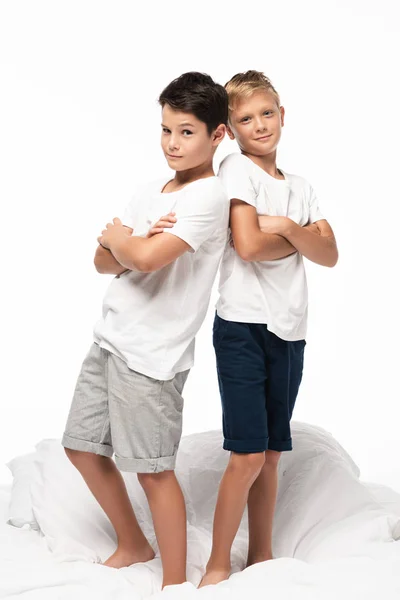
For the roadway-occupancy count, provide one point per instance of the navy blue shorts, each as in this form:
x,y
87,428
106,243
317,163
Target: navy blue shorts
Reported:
x,y
259,376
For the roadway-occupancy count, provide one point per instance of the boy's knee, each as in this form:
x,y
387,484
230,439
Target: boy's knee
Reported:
x,y
78,457
148,481
272,458
247,463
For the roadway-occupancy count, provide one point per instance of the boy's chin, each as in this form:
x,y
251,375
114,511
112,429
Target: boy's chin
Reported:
x,y
261,150
176,165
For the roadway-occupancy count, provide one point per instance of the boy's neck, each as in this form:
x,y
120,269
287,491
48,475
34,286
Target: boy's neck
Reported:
x,y
200,172
267,163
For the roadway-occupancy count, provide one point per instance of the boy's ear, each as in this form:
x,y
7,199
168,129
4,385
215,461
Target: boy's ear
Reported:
x,y
219,134
230,132
282,111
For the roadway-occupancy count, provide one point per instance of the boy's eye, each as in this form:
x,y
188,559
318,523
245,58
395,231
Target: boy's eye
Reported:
x,y
268,112
187,132
166,130
245,119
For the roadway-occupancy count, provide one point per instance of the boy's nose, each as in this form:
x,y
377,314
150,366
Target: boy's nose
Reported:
x,y
173,144
260,126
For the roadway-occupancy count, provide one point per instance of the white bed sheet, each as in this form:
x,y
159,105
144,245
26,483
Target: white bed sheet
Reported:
x,y
28,569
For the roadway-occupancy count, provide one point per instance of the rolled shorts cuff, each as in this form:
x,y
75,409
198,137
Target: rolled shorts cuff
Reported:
x,y
280,446
85,446
246,446
146,465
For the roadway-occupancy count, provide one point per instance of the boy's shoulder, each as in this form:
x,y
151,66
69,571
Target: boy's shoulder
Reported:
x,y
212,183
156,186
240,164
298,183
204,192
235,160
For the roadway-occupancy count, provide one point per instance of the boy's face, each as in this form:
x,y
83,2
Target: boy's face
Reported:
x,y
256,123
185,140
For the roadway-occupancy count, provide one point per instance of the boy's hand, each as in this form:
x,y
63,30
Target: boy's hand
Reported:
x,y
165,222
114,231
276,225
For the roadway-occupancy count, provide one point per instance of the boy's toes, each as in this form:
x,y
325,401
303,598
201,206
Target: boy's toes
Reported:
x,y
213,577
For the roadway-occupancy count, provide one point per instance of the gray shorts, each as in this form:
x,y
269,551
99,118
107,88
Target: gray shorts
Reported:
x,y
116,409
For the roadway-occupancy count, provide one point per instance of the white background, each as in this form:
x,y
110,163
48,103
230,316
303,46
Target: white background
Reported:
x,y
79,129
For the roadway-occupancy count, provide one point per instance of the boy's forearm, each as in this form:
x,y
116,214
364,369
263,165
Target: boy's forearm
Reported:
x,y
106,263
320,249
131,252
269,246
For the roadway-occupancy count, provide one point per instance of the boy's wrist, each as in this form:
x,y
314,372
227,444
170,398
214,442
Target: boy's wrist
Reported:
x,y
288,228
119,245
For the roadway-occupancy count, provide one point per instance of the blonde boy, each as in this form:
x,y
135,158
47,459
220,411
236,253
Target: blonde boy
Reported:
x,y
261,321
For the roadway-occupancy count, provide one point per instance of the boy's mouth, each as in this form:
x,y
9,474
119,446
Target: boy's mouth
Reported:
x,y
264,137
173,156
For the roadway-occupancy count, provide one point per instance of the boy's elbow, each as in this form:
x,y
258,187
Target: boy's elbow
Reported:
x,y
334,255
246,252
144,267
98,265
246,256
332,259
100,259
249,256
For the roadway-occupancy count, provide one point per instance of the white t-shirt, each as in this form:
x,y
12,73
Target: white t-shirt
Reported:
x,y
270,292
150,319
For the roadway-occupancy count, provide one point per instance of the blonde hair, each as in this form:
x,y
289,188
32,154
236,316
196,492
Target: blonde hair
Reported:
x,y
243,85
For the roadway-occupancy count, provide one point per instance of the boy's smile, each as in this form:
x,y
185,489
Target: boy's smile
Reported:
x,y
263,138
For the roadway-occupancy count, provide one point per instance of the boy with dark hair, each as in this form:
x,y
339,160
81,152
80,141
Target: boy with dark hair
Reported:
x,y
128,397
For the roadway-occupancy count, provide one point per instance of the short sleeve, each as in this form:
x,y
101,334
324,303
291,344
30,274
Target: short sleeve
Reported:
x,y
200,211
128,217
314,211
236,179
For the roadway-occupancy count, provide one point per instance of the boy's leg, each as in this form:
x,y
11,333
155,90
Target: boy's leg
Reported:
x,y
240,474
261,507
108,487
285,369
146,425
242,381
168,510
87,443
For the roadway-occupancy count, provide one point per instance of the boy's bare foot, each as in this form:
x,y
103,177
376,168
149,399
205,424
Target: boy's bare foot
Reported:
x,y
125,557
213,577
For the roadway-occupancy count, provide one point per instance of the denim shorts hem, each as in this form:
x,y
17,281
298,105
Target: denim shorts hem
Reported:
x,y
85,446
280,446
246,446
146,465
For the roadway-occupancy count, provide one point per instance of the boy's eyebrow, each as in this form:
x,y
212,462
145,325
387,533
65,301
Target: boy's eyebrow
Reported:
x,y
247,113
181,124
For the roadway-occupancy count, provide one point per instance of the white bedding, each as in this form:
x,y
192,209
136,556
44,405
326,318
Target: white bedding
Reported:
x,y
331,545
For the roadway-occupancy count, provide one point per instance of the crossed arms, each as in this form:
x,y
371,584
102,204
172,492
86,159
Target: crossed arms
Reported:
x,y
119,251
258,238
